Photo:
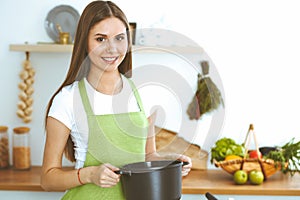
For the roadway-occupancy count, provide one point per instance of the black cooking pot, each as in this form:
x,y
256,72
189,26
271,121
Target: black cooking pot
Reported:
x,y
154,180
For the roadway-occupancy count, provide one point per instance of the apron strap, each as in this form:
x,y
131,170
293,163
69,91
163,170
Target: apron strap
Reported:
x,y
86,102
136,94
84,97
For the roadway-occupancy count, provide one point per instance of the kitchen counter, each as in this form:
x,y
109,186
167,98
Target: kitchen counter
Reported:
x,y
197,182
220,182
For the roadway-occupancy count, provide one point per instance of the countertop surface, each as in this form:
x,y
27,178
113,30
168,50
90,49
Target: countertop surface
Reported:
x,y
197,182
221,182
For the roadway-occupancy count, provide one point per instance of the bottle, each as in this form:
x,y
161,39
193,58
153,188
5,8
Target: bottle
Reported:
x,y
4,148
21,148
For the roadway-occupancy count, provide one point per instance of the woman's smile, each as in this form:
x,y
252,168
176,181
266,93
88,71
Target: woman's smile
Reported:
x,y
110,60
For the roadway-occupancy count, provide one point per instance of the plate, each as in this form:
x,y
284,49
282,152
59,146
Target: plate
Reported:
x,y
66,16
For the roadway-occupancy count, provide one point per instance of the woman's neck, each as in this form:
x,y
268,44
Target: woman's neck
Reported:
x,y
109,83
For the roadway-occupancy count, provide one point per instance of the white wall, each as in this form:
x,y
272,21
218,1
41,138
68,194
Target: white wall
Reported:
x,y
253,44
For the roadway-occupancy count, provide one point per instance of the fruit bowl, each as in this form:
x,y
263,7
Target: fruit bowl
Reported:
x,y
268,160
267,166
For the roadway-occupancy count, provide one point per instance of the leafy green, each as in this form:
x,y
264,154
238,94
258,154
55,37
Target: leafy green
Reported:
x,y
288,156
224,147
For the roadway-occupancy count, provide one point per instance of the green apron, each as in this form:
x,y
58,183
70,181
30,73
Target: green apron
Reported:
x,y
117,139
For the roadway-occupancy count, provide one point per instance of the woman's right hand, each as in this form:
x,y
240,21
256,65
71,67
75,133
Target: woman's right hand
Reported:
x,y
104,176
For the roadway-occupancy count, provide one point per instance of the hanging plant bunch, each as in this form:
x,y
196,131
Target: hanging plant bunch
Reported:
x,y
26,90
207,97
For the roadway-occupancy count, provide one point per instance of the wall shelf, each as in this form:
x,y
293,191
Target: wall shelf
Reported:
x,y
67,48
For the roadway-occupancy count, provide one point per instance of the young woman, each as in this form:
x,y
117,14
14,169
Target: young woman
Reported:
x,y
89,119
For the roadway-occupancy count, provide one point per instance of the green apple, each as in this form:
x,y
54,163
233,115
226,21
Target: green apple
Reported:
x,y
240,177
256,177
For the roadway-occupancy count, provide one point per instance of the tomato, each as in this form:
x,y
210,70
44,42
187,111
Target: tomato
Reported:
x,y
255,154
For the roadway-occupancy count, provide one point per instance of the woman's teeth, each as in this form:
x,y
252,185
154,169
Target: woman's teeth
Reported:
x,y
110,59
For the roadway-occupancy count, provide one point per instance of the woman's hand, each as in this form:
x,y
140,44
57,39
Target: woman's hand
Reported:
x,y
104,176
186,168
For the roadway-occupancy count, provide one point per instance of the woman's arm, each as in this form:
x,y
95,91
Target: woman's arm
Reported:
x,y
151,153
54,178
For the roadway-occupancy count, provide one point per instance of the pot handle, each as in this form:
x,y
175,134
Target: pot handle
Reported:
x,y
185,163
122,172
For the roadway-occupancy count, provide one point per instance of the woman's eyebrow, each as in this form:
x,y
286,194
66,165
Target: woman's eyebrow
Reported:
x,y
100,34
106,36
120,34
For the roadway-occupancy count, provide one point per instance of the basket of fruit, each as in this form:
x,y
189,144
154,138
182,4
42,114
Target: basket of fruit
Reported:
x,y
233,157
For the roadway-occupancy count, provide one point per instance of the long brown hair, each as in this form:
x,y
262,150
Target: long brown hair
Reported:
x,y
94,12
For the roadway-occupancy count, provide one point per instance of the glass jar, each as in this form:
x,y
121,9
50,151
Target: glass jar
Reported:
x,y
4,148
21,148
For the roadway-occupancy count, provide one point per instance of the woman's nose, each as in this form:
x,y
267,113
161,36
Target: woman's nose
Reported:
x,y
111,46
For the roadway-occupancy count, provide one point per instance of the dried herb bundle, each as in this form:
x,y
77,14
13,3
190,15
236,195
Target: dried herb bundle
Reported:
x,y
207,97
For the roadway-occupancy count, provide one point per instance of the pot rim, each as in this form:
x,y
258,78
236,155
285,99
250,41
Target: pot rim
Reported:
x,y
150,166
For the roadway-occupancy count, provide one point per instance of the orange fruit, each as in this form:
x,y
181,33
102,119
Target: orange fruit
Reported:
x,y
233,157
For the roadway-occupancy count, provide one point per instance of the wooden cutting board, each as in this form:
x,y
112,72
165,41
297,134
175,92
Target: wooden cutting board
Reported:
x,y
169,142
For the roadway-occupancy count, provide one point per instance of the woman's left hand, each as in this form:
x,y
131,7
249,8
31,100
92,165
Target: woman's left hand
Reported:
x,y
186,168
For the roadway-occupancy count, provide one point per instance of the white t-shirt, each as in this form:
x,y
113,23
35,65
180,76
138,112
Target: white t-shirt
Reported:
x,y
67,107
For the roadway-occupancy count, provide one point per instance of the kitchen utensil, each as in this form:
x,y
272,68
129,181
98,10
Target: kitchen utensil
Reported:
x,y
153,180
64,37
66,16
265,150
209,196
59,28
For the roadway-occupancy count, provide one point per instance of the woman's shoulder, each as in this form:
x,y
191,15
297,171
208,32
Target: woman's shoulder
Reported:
x,y
69,89
65,95
62,105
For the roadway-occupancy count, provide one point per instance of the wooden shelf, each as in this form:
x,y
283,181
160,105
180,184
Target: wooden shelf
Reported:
x,y
61,48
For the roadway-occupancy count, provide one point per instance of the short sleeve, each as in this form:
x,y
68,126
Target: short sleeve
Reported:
x,y
61,108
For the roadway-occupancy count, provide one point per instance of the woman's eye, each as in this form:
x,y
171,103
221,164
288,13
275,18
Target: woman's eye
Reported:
x,y
100,39
120,37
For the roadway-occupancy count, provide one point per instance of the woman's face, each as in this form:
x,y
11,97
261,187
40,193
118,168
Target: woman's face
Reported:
x,y
107,44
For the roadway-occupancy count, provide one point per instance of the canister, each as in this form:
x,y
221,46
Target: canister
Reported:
x,y
4,147
21,148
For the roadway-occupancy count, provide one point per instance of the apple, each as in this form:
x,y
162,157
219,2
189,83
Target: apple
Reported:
x,y
256,177
255,154
240,177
